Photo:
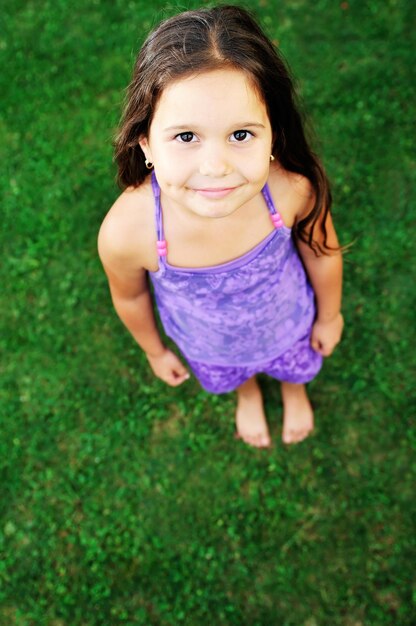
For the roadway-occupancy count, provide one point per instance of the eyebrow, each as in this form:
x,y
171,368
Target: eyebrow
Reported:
x,y
189,126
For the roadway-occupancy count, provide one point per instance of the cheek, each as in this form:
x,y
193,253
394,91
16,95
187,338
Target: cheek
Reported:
x,y
171,170
257,166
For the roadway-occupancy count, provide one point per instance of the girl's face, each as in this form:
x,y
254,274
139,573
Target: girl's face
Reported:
x,y
210,142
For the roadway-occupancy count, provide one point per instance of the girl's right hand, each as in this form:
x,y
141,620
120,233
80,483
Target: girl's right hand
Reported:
x,y
168,368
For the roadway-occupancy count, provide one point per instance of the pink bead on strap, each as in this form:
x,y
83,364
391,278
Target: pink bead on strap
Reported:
x,y
277,220
162,248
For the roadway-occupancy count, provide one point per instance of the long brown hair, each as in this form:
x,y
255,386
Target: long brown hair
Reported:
x,y
208,39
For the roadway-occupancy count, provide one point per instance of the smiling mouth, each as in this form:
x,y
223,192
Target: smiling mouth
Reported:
x,y
215,192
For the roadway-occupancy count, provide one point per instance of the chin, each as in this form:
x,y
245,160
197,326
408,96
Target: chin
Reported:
x,y
214,213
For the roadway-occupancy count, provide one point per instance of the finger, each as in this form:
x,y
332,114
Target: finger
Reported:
x,y
172,381
176,382
175,379
184,376
327,350
316,345
321,349
180,370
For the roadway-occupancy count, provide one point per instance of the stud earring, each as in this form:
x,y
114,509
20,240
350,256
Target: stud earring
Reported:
x,y
148,164
271,157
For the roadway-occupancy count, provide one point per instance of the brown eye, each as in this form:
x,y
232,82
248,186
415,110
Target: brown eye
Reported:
x,y
241,135
185,137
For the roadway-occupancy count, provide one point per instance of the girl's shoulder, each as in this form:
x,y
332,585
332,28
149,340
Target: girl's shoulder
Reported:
x,y
128,231
292,194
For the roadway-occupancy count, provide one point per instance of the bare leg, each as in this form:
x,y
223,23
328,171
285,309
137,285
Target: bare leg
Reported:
x,y
297,413
250,418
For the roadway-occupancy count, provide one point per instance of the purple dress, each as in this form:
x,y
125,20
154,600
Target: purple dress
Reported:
x,y
250,315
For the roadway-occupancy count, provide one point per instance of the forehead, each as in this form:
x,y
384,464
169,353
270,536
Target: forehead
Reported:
x,y
228,92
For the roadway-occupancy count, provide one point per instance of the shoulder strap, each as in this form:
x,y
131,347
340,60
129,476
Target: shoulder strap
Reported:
x,y
274,213
161,242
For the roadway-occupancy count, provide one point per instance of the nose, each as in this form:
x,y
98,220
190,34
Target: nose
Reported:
x,y
214,162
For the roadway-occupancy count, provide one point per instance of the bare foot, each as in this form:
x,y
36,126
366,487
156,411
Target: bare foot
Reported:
x,y
297,413
250,418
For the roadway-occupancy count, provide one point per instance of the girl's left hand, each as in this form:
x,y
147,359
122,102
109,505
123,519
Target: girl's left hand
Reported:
x,y
326,335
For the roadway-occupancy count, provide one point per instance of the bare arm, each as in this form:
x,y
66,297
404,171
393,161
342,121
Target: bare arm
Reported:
x,y
325,275
133,304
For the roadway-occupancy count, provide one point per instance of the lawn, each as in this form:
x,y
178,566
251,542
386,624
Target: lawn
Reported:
x,y
126,502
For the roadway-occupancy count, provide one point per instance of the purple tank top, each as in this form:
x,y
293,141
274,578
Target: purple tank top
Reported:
x,y
244,312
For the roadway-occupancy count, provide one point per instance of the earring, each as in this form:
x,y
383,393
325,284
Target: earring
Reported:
x,y
271,157
148,164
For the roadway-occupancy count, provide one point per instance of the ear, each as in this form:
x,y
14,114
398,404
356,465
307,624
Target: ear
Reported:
x,y
144,144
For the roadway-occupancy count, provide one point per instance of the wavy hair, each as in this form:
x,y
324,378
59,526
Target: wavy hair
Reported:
x,y
210,39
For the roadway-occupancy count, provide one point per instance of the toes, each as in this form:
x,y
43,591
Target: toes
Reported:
x,y
262,442
256,441
295,436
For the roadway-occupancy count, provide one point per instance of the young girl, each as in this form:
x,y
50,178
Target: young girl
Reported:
x,y
226,209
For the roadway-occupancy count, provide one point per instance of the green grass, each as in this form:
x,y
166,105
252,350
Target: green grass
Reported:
x,y
125,502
